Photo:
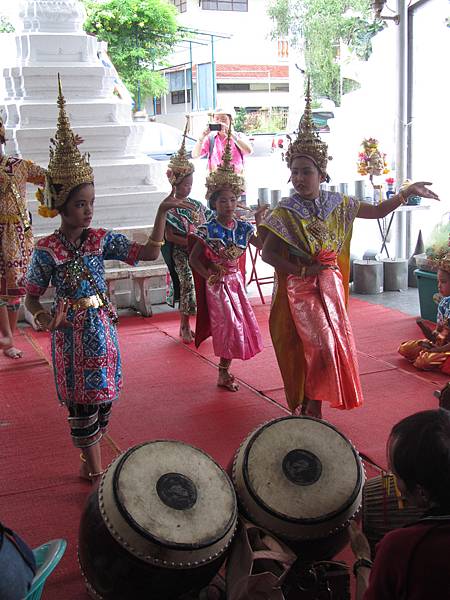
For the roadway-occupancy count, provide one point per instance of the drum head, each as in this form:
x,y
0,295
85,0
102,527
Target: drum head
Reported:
x,y
302,470
174,494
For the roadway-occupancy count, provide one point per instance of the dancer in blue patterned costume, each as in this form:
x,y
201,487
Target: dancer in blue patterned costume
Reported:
x,y
85,351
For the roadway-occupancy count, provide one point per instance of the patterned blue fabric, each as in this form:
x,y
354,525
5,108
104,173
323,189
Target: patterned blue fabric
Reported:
x,y
216,233
443,311
86,358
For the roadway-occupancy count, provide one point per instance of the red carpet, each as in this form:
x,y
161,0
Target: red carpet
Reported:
x,y
170,392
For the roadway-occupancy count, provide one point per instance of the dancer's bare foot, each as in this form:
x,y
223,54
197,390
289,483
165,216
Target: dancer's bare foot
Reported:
x,y
186,334
227,380
12,352
312,408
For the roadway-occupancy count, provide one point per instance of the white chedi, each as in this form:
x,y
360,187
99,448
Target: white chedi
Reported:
x,y
62,16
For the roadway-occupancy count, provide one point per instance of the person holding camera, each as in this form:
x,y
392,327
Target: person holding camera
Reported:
x,y
213,141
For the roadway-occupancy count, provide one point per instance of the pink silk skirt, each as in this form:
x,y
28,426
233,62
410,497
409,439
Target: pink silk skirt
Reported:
x,y
235,331
318,310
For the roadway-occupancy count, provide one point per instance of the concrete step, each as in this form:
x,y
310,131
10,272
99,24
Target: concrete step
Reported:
x,y
80,81
112,210
33,114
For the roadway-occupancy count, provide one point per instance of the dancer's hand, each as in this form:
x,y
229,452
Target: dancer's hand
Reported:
x,y
260,212
59,320
318,268
418,189
78,139
171,201
358,541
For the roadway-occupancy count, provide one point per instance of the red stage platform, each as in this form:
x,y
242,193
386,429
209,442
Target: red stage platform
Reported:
x,y
170,392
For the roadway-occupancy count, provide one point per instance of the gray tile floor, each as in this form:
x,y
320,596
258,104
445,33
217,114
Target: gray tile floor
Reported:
x,y
406,301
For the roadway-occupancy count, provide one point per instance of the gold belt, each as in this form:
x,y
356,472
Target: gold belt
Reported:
x,y
9,219
84,303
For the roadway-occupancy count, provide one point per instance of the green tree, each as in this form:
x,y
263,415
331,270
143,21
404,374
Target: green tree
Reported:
x,y
140,35
320,26
5,25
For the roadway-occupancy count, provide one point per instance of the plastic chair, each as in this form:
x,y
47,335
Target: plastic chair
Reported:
x,y
47,557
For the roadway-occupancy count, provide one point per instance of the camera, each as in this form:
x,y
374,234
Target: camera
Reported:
x,y
215,126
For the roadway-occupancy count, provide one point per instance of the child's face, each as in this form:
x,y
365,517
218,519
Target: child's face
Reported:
x,y
444,282
306,178
184,188
79,209
225,205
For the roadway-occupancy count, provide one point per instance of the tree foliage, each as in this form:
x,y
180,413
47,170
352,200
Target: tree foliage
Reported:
x,y
140,34
5,25
320,26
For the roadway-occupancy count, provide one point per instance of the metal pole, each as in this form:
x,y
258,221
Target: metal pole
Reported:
x,y
402,108
213,68
192,85
185,91
270,98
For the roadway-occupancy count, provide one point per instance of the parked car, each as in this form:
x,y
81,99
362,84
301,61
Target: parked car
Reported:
x,y
160,141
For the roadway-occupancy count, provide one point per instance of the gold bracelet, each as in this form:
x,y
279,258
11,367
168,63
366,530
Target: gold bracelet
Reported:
x,y
153,242
402,198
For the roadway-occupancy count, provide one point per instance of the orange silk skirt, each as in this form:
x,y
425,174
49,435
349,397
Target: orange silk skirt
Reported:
x,y
318,310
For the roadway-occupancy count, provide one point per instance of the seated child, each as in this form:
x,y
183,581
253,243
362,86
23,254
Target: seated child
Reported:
x,y
433,353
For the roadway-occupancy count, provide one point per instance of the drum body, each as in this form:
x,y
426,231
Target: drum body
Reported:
x,y
301,479
159,524
381,511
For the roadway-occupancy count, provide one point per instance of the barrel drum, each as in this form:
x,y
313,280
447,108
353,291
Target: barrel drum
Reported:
x,y
159,525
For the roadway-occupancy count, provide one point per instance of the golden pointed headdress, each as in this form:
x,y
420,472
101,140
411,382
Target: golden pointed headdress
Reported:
x,y
308,142
179,165
67,169
225,176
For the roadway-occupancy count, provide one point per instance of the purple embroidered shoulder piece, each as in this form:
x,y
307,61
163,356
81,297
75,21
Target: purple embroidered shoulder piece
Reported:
x,y
321,207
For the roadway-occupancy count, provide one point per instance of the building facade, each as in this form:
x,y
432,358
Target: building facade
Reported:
x,y
229,61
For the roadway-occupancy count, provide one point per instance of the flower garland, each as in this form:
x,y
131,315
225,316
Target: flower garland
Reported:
x,y
370,160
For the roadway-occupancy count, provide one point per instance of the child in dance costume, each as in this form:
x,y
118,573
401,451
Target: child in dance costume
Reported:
x,y
223,308
16,239
433,353
181,222
85,351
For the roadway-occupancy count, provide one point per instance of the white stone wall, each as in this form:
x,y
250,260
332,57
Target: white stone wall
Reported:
x,y
51,41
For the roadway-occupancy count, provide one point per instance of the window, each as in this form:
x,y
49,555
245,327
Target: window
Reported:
x,y
236,5
233,87
180,97
180,4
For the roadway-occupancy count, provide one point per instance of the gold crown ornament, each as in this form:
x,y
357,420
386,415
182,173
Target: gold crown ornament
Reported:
x,y
308,142
67,169
179,165
225,176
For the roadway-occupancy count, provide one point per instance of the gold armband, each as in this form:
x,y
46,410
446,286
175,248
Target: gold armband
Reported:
x,y
153,242
303,272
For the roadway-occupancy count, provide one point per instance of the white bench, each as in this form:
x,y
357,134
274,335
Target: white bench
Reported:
x,y
139,283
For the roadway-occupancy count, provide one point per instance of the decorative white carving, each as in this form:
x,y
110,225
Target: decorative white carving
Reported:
x,y
52,16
